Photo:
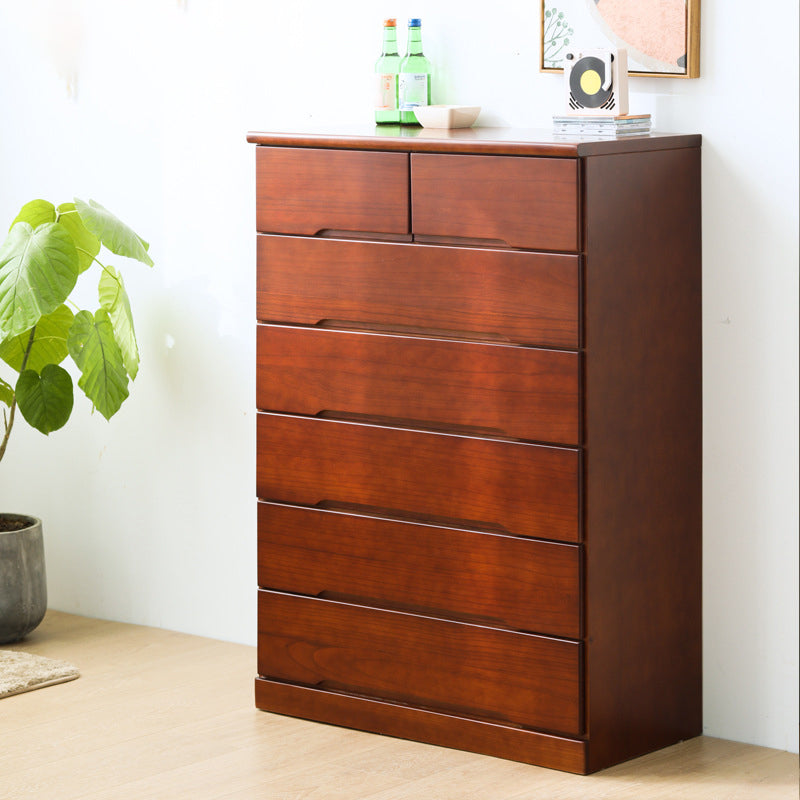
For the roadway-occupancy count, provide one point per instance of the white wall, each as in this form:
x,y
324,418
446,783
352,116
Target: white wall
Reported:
x,y
151,518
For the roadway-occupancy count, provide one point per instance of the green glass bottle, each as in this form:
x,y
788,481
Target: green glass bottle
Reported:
x,y
386,69
414,80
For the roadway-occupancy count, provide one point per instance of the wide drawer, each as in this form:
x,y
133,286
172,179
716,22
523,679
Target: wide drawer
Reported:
x,y
530,298
517,201
494,579
307,191
504,675
513,391
524,489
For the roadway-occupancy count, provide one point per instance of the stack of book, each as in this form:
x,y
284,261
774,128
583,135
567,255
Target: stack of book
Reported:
x,y
585,125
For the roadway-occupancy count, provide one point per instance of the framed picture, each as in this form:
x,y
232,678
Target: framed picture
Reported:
x,y
662,37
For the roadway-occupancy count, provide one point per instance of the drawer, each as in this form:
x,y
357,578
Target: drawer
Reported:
x,y
517,201
504,675
513,391
530,298
308,191
524,489
493,579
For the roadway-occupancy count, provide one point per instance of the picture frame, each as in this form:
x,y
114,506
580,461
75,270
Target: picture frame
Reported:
x,y
662,37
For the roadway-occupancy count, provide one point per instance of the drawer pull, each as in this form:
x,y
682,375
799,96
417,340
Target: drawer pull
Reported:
x,y
399,329
403,515
419,610
413,424
339,233
461,241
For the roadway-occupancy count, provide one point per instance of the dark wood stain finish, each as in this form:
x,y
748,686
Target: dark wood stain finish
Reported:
x,y
517,392
643,453
482,141
523,489
522,202
309,191
529,298
479,446
451,666
424,725
486,578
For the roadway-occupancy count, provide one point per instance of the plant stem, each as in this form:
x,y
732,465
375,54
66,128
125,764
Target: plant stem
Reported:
x,y
10,422
107,270
9,425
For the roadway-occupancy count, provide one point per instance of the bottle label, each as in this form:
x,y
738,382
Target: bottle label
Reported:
x,y
413,90
385,92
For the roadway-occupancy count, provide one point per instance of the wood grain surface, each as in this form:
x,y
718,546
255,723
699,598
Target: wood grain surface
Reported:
x,y
523,489
516,392
308,191
643,453
524,202
487,578
423,661
529,298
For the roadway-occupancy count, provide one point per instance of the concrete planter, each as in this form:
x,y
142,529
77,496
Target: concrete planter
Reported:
x,y
23,584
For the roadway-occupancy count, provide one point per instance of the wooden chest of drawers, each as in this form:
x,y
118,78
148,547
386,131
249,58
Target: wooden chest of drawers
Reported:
x,y
479,439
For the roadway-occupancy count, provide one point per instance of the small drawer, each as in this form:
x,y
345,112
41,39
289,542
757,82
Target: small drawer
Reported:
x,y
523,489
488,578
467,669
307,191
518,392
530,298
518,201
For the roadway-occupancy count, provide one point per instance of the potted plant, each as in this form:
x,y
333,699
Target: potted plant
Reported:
x,y
47,249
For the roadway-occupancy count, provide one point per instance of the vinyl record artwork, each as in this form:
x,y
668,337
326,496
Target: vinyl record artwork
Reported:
x,y
661,37
596,82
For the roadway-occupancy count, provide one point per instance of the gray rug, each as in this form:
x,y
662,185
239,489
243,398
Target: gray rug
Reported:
x,y
22,672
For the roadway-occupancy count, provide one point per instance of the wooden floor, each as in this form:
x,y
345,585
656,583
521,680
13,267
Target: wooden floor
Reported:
x,y
158,714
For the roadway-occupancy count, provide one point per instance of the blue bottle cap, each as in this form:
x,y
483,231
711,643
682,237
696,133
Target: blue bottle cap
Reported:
x,y
415,22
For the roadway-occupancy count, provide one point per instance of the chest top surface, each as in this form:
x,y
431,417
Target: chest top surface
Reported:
x,y
496,141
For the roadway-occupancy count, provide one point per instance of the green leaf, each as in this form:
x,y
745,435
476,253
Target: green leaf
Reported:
x,y
86,243
36,213
93,347
38,269
49,342
112,232
45,400
6,393
114,299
